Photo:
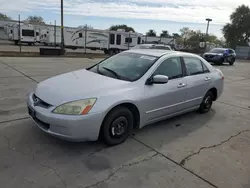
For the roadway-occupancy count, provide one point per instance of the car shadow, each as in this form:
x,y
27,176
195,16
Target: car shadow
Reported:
x,y
224,64
167,131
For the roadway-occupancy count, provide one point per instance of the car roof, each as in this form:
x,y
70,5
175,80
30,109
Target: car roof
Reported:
x,y
153,45
223,48
152,52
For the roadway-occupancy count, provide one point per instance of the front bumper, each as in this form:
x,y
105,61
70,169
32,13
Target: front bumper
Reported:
x,y
213,59
67,127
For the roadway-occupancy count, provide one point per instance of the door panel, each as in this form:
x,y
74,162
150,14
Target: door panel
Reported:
x,y
198,80
197,86
164,99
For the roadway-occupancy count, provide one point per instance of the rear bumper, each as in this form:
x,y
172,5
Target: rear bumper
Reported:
x,y
67,127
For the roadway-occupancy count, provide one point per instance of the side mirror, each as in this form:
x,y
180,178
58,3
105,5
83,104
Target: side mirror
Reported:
x,y
157,79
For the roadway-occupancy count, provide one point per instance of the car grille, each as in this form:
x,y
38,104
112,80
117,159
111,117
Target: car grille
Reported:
x,y
42,124
39,102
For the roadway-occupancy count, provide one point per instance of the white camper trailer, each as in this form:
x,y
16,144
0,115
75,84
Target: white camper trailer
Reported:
x,y
157,40
27,34
108,41
49,38
38,35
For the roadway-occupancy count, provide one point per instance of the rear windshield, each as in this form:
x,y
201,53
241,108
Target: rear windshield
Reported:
x,y
217,50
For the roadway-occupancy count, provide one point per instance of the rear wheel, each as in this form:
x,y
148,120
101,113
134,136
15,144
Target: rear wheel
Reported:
x,y
117,126
207,102
106,51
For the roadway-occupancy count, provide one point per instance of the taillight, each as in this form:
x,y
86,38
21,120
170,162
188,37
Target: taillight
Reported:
x,y
220,73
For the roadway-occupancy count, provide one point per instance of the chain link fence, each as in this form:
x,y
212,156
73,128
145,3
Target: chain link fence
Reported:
x,y
18,36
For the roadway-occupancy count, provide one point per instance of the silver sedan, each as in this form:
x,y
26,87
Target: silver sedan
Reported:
x,y
124,92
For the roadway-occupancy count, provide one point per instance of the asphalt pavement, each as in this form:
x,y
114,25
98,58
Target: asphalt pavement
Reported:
x,y
192,150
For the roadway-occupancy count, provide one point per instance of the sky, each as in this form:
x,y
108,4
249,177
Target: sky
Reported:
x,y
142,15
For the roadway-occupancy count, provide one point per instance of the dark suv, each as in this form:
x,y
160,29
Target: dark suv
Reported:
x,y
220,55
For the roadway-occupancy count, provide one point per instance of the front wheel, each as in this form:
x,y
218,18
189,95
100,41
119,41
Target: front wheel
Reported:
x,y
207,102
221,61
231,61
117,126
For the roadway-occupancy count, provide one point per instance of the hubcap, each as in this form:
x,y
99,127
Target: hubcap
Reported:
x,y
208,102
119,127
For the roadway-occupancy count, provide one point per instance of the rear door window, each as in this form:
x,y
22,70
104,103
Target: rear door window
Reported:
x,y
193,66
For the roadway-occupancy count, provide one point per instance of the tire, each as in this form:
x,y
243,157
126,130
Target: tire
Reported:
x,y
105,51
221,61
206,103
231,62
29,44
117,126
16,42
111,52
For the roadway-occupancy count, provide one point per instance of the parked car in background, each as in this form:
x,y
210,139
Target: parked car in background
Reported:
x,y
124,92
153,46
220,55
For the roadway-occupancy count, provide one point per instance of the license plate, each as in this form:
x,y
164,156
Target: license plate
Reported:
x,y
31,112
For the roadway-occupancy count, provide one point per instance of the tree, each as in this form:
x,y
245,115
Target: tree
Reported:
x,y
4,17
176,35
125,27
186,32
165,34
238,31
151,33
35,20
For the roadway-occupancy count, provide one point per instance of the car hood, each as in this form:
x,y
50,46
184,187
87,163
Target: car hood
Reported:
x,y
77,85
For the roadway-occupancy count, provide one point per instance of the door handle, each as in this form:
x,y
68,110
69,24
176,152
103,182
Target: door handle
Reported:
x,y
180,85
207,79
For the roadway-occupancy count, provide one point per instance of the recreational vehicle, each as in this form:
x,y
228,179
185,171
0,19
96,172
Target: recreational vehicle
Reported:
x,y
157,40
50,38
27,33
109,41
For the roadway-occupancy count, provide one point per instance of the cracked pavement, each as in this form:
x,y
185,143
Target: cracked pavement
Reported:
x,y
192,150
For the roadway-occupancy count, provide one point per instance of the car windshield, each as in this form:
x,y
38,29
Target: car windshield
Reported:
x,y
125,66
217,50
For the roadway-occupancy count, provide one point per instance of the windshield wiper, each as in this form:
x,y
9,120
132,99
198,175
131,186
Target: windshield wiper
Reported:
x,y
113,72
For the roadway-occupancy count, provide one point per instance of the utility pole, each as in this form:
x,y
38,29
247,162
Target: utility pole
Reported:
x,y
19,33
208,20
55,33
62,28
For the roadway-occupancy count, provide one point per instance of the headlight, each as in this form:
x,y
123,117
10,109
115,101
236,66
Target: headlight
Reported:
x,y
220,54
80,107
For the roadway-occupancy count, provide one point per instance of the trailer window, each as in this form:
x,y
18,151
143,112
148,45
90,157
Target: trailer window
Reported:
x,y
11,31
118,39
28,33
80,35
112,39
37,33
128,40
139,40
